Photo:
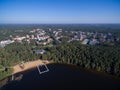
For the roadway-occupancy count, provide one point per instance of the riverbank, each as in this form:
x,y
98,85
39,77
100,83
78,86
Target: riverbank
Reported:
x,y
28,65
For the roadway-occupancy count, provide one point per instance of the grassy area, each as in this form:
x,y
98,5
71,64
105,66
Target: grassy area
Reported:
x,y
2,68
5,73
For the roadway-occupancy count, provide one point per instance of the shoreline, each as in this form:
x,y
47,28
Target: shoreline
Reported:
x,y
28,65
40,62
32,65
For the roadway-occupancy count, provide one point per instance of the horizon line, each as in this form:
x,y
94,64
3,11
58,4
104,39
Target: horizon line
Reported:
x,y
59,23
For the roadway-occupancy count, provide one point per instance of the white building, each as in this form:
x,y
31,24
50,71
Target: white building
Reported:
x,y
19,38
86,41
5,42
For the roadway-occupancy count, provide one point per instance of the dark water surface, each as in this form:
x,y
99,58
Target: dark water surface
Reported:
x,y
62,77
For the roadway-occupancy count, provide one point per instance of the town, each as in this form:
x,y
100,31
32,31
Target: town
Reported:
x,y
43,37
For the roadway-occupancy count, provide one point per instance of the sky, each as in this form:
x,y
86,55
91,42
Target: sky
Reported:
x,y
59,11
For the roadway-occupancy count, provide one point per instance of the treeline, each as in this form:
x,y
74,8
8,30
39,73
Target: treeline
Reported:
x,y
18,52
15,53
100,58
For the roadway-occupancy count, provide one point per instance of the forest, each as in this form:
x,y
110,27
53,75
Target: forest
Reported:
x,y
13,54
100,58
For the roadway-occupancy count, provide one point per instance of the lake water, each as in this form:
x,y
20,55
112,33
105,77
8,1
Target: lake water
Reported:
x,y
62,77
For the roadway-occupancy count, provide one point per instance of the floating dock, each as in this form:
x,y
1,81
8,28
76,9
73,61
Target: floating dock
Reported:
x,y
41,72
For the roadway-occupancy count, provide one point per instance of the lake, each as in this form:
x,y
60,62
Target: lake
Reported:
x,y
62,76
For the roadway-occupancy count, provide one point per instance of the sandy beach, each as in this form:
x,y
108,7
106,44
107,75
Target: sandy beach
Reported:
x,y
28,65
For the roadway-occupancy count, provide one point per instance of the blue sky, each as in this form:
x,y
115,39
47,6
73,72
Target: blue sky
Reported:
x,y
59,11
